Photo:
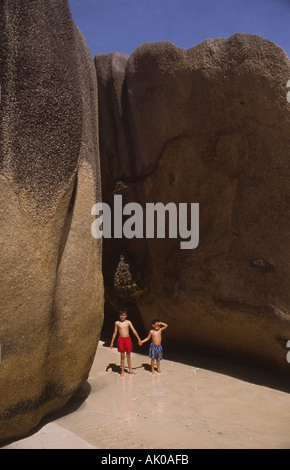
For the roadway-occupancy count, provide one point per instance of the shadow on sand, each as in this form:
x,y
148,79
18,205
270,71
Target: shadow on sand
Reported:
x,y
235,365
116,368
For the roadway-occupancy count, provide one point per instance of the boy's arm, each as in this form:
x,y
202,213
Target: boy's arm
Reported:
x,y
163,325
146,339
114,335
135,332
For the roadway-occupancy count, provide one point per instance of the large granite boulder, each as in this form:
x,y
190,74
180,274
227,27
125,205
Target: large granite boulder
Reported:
x,y
208,125
50,273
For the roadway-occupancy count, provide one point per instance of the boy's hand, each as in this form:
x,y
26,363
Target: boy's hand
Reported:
x,y
140,343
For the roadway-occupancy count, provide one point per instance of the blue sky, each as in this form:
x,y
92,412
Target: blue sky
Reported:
x,y
122,25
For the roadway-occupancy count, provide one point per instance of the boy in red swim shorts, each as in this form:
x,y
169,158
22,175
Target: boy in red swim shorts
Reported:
x,y
124,341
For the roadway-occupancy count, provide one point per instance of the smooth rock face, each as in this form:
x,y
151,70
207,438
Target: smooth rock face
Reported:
x,y
208,125
51,284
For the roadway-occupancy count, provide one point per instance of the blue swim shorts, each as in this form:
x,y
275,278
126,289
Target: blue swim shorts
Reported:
x,y
155,352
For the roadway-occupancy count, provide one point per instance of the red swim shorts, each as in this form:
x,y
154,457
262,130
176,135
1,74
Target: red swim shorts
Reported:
x,y
125,344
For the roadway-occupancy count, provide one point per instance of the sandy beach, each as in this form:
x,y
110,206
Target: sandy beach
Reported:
x,y
184,407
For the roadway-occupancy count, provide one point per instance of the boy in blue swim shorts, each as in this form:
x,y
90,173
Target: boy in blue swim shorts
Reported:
x,y
155,350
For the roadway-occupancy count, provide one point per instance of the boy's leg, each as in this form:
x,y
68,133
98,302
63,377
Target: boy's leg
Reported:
x,y
122,364
158,367
152,365
129,364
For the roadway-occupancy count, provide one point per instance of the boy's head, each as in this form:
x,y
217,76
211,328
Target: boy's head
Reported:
x,y
155,324
122,314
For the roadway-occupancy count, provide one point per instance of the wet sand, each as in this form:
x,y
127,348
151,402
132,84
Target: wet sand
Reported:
x,y
184,407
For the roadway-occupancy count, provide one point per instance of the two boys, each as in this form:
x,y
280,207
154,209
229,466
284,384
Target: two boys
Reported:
x,y
123,327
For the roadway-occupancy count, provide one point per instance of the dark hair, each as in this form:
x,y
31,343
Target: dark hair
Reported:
x,y
122,310
155,321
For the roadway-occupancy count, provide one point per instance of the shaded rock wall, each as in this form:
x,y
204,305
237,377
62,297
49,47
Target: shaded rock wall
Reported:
x,y
50,273
207,125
